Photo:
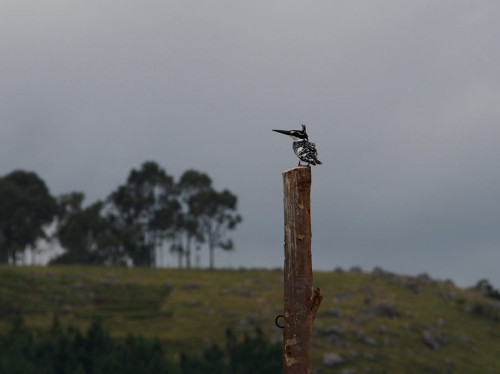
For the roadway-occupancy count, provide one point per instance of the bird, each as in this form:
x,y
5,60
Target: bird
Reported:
x,y
303,148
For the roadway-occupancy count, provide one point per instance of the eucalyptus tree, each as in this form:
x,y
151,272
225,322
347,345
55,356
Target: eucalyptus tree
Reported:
x,y
143,210
89,238
26,209
217,215
68,204
188,222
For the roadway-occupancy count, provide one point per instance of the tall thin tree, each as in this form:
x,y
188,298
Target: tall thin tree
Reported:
x,y
191,183
217,212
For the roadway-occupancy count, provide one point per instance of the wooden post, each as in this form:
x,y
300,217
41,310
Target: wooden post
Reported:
x,y
301,300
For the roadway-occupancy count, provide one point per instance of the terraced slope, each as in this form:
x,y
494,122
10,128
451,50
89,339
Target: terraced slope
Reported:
x,y
374,322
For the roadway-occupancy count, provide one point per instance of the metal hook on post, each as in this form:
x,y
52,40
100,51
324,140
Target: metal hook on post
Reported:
x,y
276,321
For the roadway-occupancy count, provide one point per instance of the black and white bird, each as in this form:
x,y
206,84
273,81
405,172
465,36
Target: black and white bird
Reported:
x,y
305,150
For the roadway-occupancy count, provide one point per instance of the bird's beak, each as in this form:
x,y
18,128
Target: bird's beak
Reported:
x,y
283,132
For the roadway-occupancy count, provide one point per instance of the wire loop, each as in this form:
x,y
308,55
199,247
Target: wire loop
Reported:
x,y
276,322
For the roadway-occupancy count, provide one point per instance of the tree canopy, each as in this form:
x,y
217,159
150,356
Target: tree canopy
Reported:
x,y
26,207
144,208
147,215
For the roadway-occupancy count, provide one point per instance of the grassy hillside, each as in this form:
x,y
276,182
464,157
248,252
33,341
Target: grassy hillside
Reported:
x,y
371,323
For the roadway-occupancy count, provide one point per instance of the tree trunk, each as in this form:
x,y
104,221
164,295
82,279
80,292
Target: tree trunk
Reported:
x,y
188,252
180,256
212,257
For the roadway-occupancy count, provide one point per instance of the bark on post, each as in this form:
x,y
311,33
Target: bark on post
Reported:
x,y
301,300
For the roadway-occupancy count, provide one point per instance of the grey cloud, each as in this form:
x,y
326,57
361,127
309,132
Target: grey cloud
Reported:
x,y
401,100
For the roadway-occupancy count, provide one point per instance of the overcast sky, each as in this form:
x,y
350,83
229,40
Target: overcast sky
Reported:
x,y
402,99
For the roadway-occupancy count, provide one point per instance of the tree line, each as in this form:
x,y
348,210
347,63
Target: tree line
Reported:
x,y
68,350
141,219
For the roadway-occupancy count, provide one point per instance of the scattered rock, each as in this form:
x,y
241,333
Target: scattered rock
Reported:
x,y
342,297
348,371
369,341
379,273
78,286
370,356
190,286
333,330
333,360
448,296
355,320
334,335
429,340
425,279
193,303
245,293
365,339
353,355
384,309
414,286
382,329
449,282
334,312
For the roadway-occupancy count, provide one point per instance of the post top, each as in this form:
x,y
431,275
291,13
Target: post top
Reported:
x,y
298,169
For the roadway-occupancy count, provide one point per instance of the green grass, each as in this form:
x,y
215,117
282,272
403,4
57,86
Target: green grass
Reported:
x,y
189,310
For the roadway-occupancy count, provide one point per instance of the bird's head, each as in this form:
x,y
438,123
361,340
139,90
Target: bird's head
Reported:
x,y
295,134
